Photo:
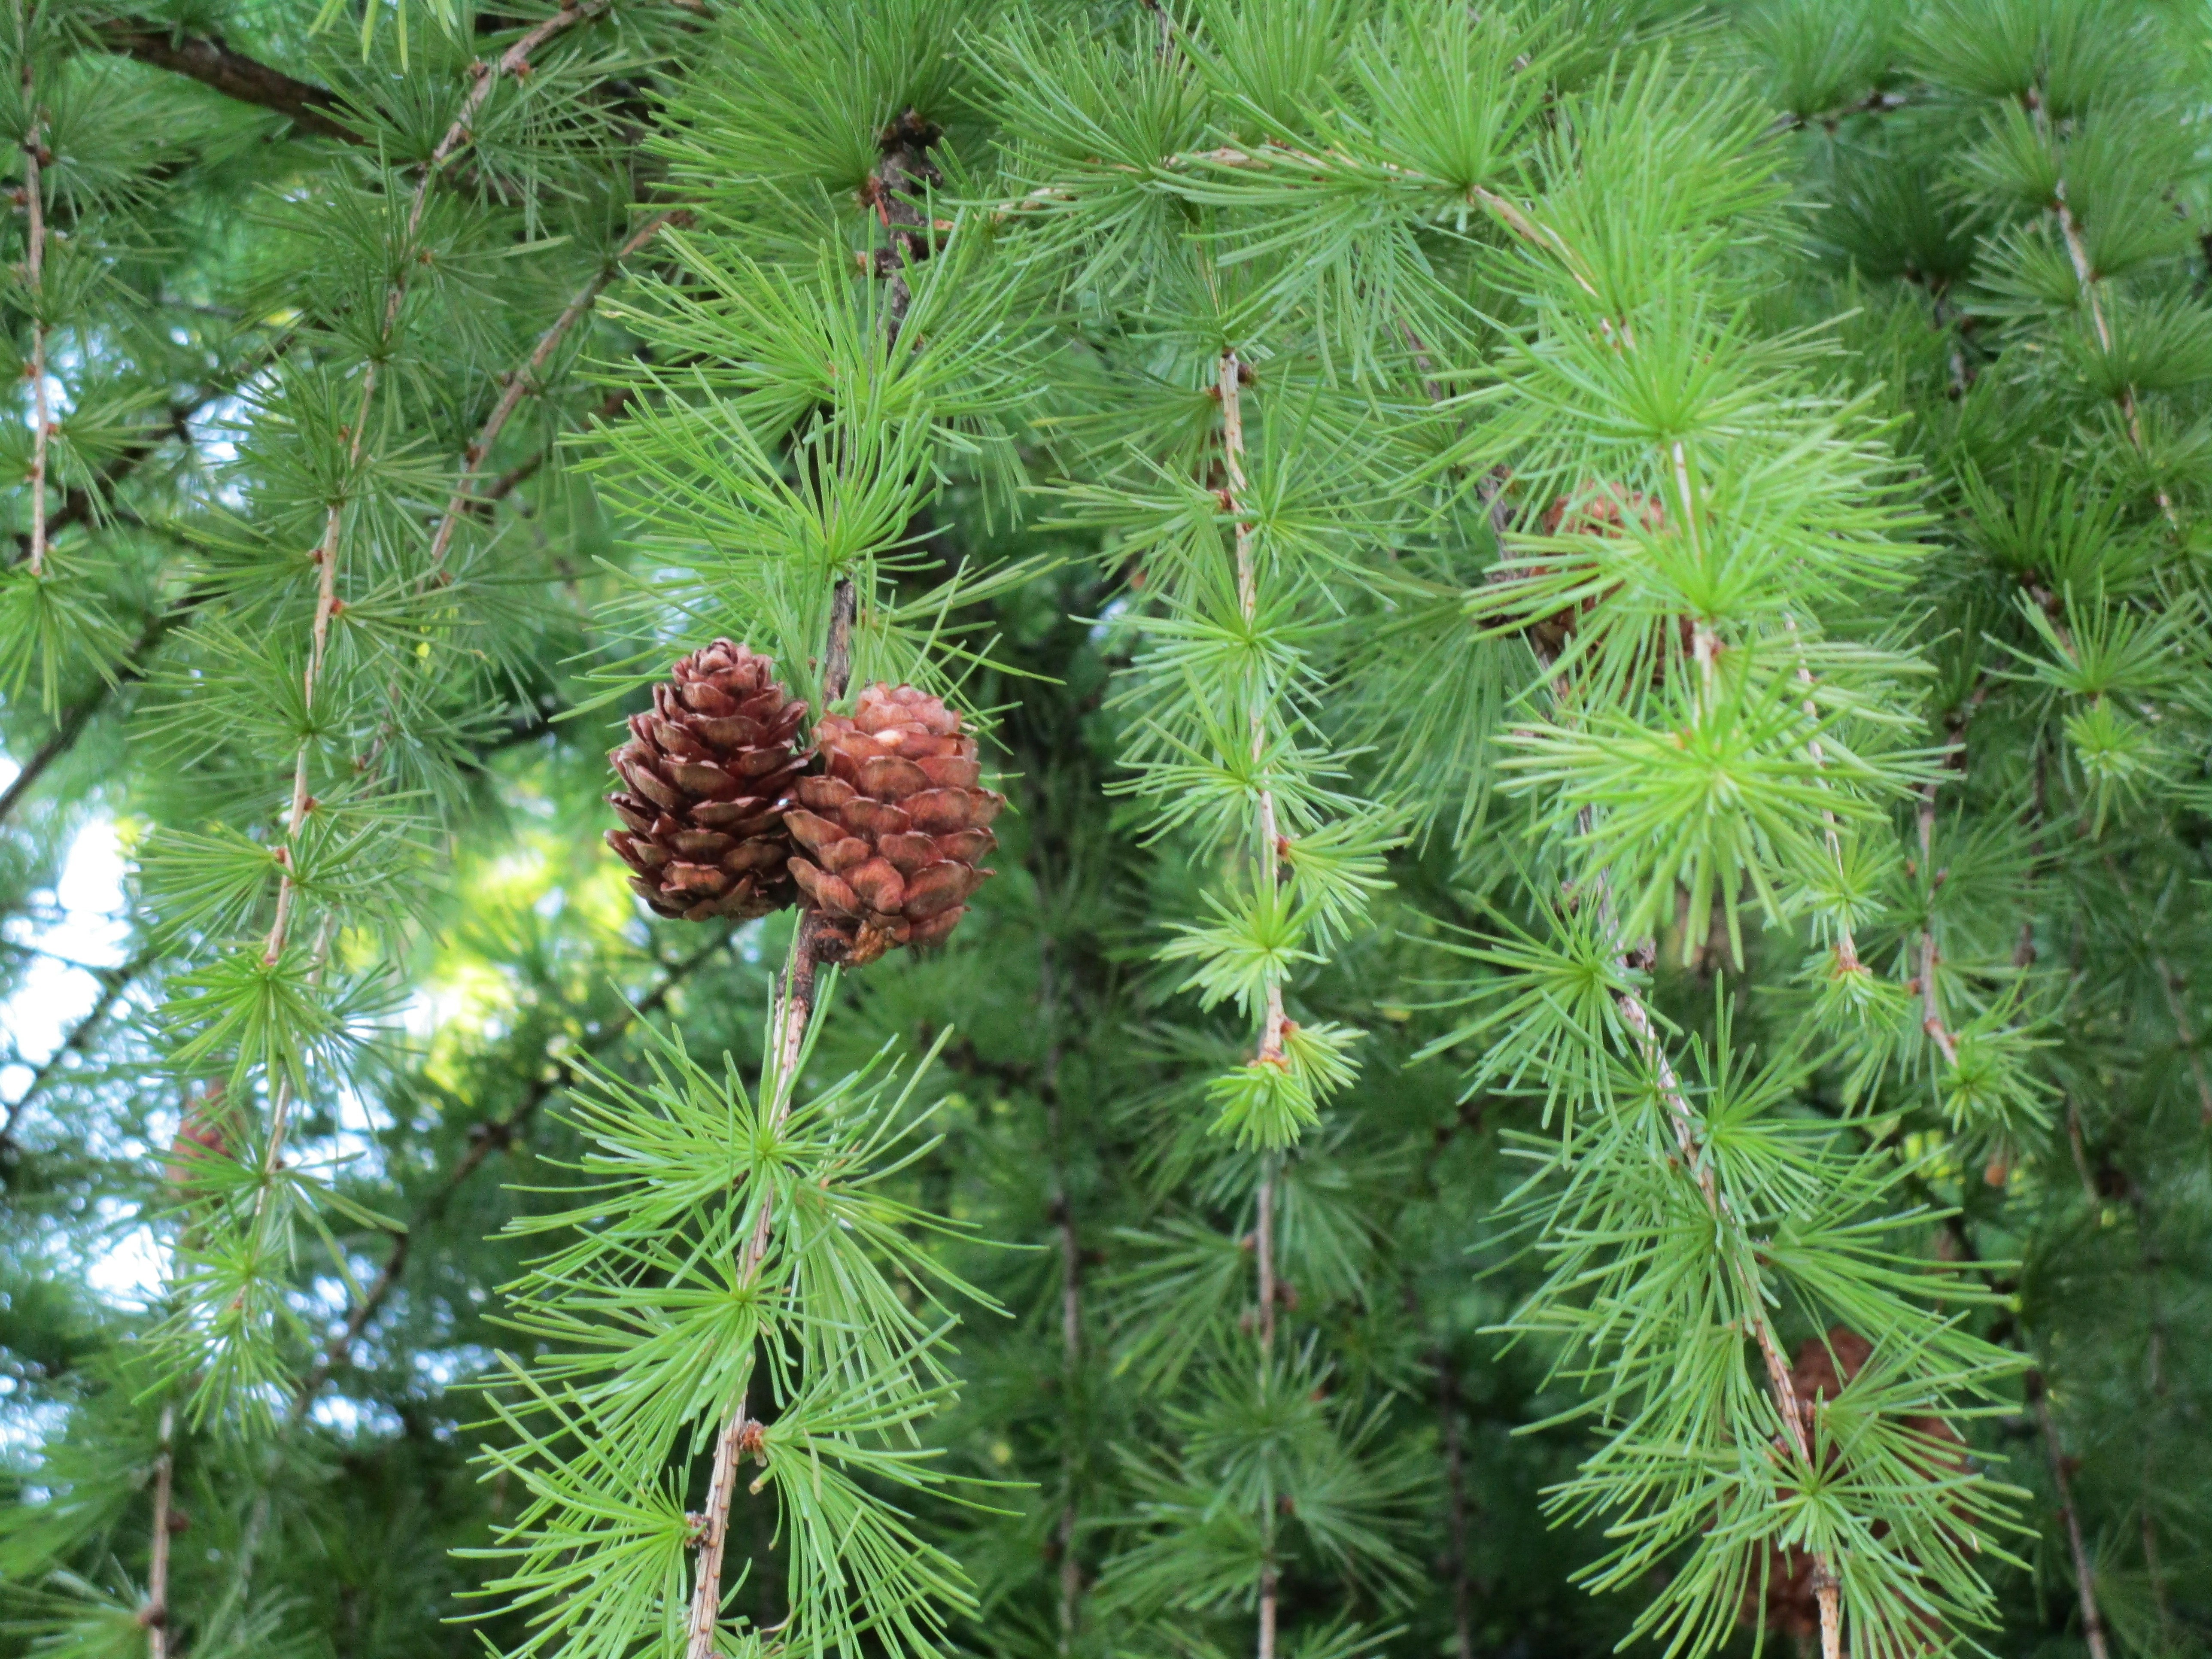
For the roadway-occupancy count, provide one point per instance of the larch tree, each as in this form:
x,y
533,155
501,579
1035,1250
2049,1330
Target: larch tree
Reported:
x,y
1306,828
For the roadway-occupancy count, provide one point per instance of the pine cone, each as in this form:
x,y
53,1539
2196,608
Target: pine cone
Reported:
x,y
709,774
1598,515
892,831
1791,1604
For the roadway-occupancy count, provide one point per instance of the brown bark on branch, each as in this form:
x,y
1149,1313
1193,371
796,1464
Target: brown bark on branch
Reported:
x,y
205,58
154,1615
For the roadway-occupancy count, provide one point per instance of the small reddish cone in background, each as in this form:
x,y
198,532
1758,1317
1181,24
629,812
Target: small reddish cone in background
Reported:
x,y
890,831
709,775
1599,515
1791,1605
199,1137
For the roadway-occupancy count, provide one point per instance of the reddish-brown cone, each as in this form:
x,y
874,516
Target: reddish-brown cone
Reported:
x,y
709,776
1599,515
1791,1605
889,832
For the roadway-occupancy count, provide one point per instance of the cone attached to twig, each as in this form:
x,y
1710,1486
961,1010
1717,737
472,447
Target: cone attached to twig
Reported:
x,y
890,833
708,777
1782,1594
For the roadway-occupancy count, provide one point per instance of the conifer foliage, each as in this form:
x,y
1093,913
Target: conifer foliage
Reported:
x,y
1404,855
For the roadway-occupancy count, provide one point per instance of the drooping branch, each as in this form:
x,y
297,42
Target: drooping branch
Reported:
x,y
207,59
793,1011
513,62
1231,375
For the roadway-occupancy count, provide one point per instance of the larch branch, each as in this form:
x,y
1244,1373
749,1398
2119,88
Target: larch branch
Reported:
x,y
154,1615
205,58
794,1010
34,264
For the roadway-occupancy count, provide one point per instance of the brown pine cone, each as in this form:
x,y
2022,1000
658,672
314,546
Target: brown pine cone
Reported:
x,y
1598,515
1791,1603
709,774
890,832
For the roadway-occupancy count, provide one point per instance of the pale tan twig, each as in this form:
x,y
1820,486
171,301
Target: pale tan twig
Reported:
x,y
154,1615
2087,276
794,1009
1237,497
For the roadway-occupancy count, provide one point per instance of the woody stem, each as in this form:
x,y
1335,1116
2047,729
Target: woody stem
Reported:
x,y
794,1009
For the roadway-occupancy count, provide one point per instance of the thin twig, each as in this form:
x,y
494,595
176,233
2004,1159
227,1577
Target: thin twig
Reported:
x,y
1236,496
515,60
794,1009
525,382
154,1615
1061,1212
2087,276
2085,1577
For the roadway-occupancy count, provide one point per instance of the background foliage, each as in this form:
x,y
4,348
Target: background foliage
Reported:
x,y
1593,617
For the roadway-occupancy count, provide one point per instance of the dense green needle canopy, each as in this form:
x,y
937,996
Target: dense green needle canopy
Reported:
x,y
1110,829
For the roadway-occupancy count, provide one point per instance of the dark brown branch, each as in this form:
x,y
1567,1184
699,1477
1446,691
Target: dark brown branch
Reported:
x,y
206,59
898,191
